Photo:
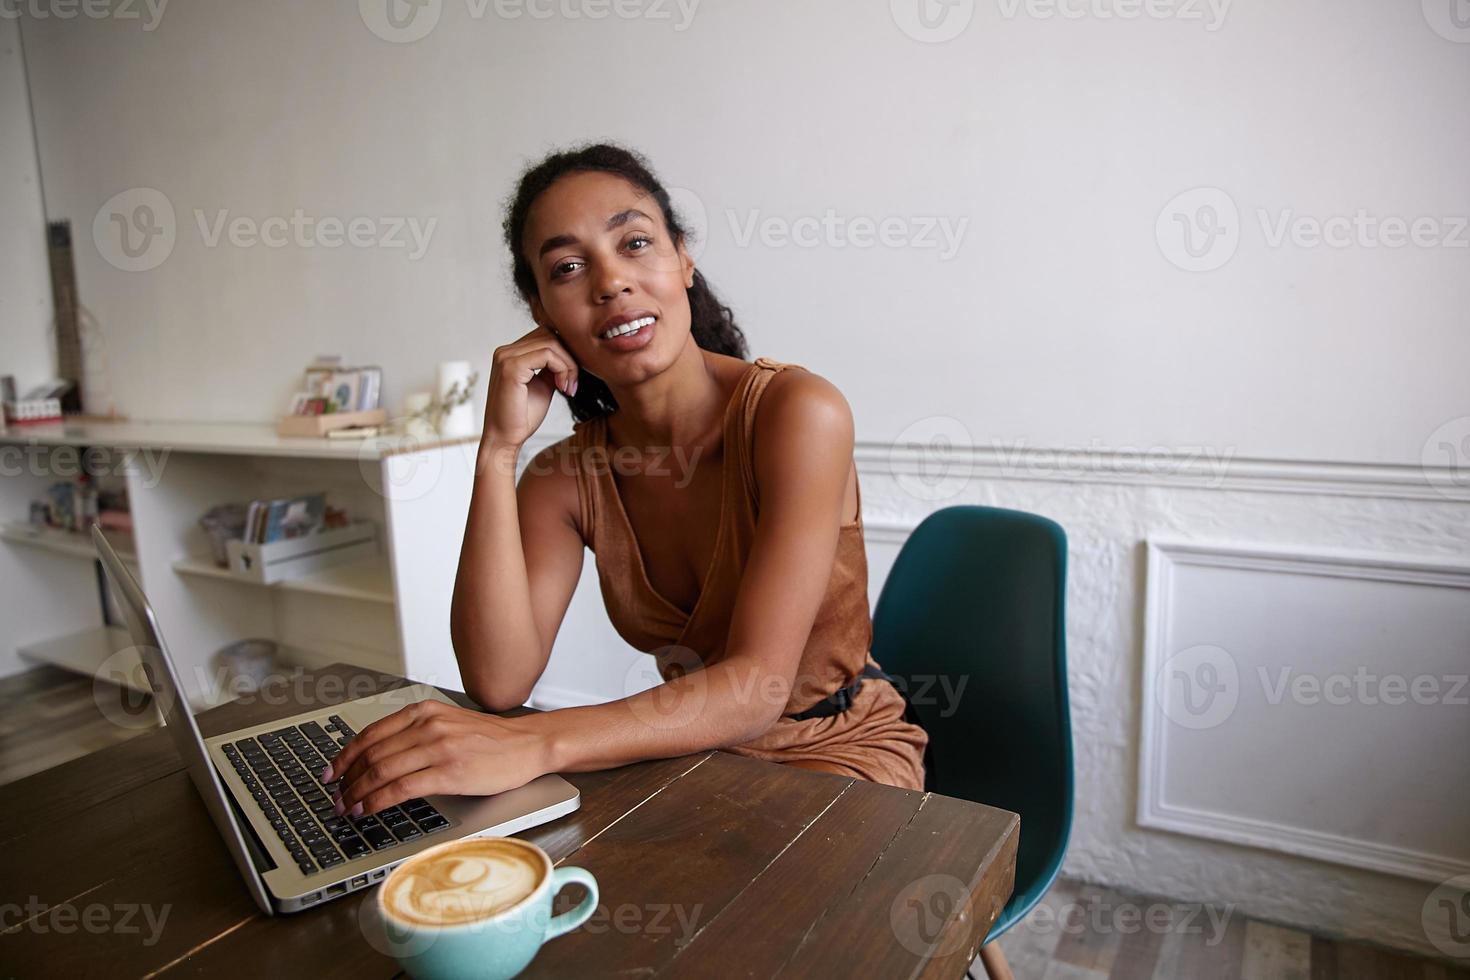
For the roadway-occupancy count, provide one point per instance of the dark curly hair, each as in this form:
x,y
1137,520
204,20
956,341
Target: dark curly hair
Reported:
x,y
711,321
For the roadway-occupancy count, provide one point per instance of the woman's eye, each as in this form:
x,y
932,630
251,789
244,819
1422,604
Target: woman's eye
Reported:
x,y
639,238
564,268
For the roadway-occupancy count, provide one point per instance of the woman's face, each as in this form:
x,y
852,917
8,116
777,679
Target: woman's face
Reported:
x,y
602,255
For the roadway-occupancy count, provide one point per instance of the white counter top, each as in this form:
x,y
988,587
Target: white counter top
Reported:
x,y
229,438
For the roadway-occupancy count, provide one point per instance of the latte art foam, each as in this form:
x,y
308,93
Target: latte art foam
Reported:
x,y
466,881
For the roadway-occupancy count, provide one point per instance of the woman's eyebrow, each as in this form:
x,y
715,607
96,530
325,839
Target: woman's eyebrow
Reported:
x,y
617,220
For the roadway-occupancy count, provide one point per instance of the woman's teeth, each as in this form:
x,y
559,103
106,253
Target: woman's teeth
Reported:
x,y
632,326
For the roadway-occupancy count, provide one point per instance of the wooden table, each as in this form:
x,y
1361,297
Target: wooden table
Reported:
x,y
708,864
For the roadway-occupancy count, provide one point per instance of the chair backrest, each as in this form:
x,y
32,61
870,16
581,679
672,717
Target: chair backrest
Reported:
x,y
972,621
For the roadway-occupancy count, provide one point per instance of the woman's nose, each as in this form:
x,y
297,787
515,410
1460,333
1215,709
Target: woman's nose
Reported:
x,y
610,281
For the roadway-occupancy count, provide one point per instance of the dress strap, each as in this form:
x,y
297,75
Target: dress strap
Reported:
x,y
755,382
583,436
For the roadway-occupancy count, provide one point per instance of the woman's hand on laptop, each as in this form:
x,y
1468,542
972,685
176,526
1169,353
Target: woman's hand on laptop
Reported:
x,y
433,748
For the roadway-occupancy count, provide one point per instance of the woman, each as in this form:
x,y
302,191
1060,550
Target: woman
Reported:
x,y
766,652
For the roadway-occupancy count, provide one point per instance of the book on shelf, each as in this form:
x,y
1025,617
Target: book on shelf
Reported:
x,y
284,518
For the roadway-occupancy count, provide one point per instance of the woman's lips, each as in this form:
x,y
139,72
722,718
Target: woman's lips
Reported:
x,y
632,341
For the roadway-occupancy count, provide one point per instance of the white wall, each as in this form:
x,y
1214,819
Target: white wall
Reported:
x,y
26,347
1318,382
1059,320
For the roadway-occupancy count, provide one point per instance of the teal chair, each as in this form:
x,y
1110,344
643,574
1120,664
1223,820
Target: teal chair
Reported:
x,y
978,596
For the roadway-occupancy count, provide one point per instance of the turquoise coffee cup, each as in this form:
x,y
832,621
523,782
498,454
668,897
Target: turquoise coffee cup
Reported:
x,y
495,947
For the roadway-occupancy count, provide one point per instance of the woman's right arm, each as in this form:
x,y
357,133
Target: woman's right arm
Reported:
x,y
509,600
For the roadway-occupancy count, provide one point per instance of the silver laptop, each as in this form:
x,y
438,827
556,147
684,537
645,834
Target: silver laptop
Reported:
x,y
261,787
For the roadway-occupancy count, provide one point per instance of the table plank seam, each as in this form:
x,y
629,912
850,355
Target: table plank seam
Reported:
x,y
856,885
212,939
49,908
755,878
612,823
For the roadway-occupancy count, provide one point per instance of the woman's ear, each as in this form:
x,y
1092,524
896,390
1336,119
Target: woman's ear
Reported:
x,y
686,266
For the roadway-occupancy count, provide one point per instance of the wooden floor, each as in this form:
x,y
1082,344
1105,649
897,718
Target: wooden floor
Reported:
x,y
1078,932
49,716
1085,932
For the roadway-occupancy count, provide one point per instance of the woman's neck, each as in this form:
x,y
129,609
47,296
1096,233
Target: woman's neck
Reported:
x,y
677,408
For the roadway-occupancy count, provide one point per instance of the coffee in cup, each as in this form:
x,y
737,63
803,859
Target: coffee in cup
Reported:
x,y
473,879
478,907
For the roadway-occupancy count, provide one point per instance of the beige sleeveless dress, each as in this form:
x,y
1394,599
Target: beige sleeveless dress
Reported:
x,y
871,740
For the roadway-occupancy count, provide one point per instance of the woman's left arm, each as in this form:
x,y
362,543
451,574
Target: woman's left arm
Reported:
x,y
803,444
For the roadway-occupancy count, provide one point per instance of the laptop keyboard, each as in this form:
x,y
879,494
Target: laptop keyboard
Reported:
x,y
282,770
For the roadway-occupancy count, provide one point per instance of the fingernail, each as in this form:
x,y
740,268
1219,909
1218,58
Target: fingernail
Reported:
x,y
325,773
356,810
337,807
574,386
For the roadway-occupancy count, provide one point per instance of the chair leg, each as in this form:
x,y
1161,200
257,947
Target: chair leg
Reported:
x,y
994,961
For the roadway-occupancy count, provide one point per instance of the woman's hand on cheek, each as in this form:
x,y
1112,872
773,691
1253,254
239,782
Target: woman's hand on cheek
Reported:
x,y
433,748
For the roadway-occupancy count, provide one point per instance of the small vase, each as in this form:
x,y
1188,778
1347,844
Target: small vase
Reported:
x,y
459,420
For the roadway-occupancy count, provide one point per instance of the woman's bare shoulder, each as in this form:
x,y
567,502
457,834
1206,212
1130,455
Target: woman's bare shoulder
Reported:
x,y
798,409
797,401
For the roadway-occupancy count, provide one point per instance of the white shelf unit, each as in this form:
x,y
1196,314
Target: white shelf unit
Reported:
x,y
390,612
65,542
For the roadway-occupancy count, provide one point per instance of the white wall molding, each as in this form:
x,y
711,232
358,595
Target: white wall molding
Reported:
x,y
1197,470
1161,641
1201,470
